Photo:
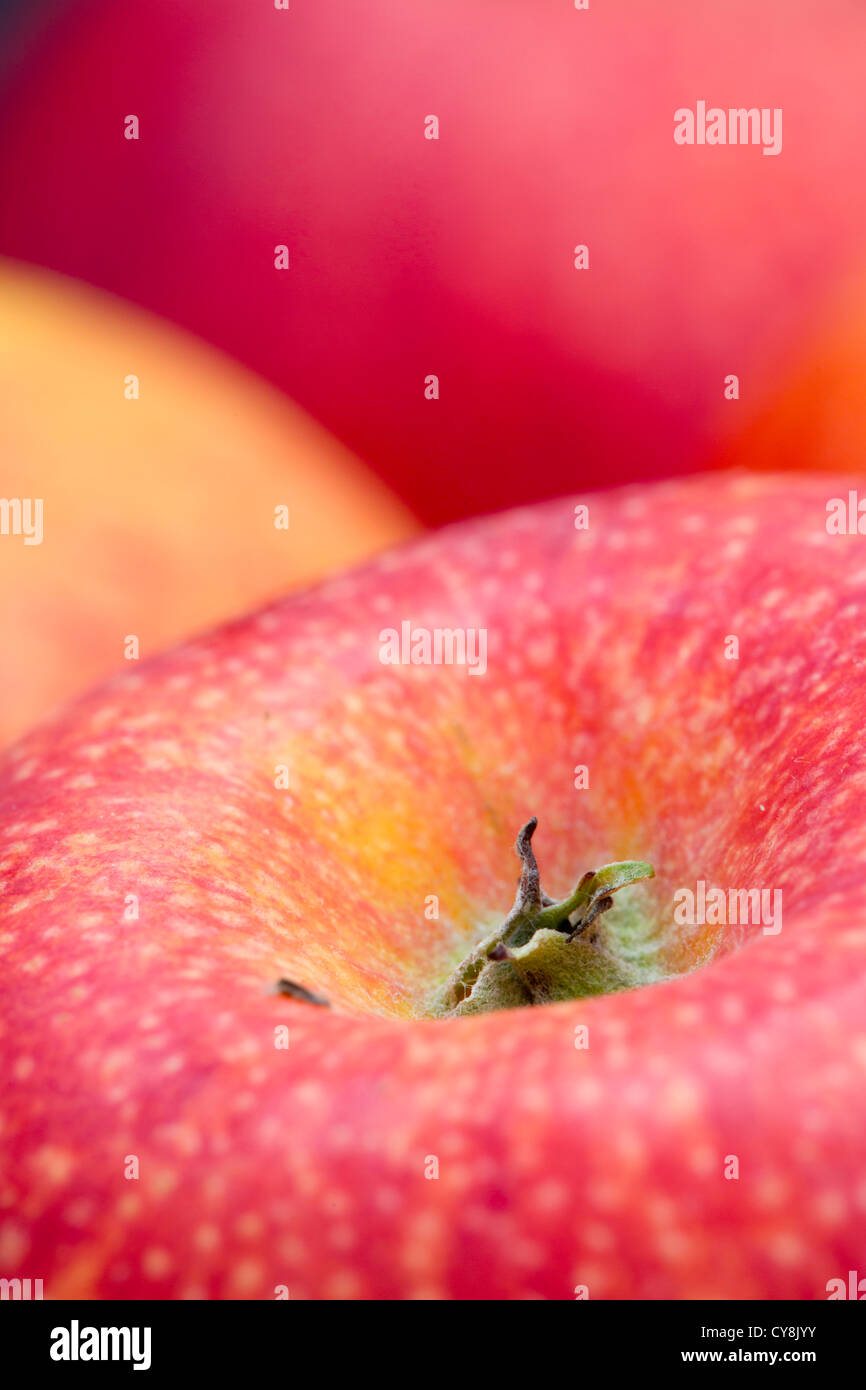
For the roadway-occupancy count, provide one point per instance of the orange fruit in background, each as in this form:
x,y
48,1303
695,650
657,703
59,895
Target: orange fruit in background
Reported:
x,y
158,512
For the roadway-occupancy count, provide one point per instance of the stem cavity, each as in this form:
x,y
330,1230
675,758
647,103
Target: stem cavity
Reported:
x,y
544,951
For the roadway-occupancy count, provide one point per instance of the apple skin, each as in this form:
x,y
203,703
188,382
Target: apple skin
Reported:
x,y
158,512
559,1167
454,257
817,417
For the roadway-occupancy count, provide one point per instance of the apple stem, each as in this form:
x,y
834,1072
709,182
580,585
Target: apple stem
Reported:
x,y
529,894
527,959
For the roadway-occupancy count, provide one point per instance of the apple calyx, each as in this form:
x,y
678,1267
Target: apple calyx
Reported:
x,y
544,951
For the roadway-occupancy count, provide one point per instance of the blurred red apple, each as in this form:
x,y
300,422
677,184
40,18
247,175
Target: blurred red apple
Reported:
x,y
412,257
817,417
272,801
158,512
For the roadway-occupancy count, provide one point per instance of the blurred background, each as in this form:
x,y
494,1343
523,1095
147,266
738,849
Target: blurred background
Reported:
x,y
431,350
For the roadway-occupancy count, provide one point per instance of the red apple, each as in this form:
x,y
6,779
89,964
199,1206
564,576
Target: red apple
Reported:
x,y
412,257
817,418
698,1134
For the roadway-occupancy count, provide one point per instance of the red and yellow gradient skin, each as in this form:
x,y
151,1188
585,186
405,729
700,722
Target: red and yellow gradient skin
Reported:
x,y
158,513
411,257
263,1168
817,417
